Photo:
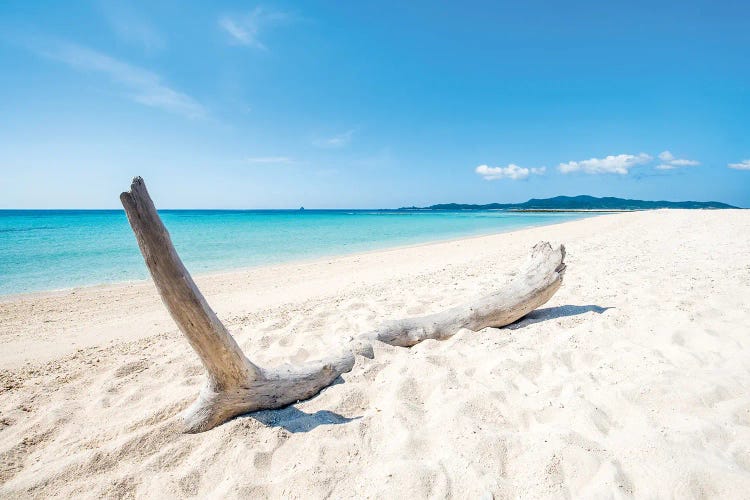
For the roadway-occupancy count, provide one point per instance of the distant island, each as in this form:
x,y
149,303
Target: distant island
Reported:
x,y
583,202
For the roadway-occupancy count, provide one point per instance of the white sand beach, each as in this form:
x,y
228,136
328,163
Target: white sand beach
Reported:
x,y
631,382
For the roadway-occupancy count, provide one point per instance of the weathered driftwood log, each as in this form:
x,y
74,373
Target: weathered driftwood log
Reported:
x,y
537,281
235,385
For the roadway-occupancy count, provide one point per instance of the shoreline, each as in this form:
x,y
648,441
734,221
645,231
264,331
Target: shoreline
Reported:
x,y
233,292
579,210
209,274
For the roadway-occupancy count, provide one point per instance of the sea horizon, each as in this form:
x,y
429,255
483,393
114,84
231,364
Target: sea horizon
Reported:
x,y
57,249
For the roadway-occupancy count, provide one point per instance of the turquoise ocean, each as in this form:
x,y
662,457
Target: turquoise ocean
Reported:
x,y
57,249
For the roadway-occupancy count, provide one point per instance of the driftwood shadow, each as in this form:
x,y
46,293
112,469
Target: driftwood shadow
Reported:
x,y
296,420
548,313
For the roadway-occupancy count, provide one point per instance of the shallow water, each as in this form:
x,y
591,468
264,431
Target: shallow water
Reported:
x,y
53,249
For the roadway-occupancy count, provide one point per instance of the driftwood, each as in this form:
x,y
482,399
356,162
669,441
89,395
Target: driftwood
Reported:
x,y
536,282
235,385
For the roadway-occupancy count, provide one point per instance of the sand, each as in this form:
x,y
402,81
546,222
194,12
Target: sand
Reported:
x,y
632,381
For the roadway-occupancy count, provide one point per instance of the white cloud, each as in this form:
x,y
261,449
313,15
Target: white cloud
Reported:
x,y
684,163
512,171
244,35
142,86
670,162
269,159
246,29
666,156
131,27
613,164
743,165
337,141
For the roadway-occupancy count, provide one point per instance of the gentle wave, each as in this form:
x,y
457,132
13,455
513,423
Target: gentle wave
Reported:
x,y
23,229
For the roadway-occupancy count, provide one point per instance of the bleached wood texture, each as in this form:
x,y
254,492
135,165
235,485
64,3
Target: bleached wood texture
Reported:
x,y
234,385
534,284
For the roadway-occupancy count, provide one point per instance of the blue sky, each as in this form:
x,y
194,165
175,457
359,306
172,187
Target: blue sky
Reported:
x,y
372,104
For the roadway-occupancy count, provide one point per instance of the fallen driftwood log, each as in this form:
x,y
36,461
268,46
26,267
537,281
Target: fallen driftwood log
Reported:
x,y
536,282
235,385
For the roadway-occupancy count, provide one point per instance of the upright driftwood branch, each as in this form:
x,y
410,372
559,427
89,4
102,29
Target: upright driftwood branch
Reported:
x,y
536,282
235,385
